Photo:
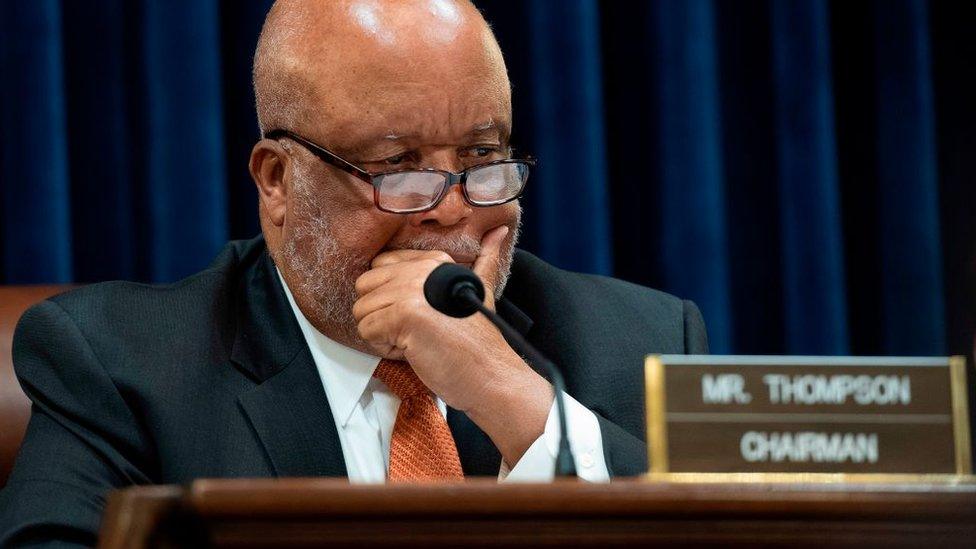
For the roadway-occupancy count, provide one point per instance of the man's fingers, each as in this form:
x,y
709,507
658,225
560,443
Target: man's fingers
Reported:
x,y
374,329
374,278
491,247
397,274
393,257
372,302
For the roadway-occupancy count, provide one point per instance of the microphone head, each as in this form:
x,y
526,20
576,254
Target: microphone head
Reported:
x,y
446,288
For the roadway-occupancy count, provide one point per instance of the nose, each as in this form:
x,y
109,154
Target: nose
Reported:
x,y
451,210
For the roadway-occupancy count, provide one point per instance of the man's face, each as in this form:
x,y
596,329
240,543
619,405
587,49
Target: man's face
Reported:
x,y
392,119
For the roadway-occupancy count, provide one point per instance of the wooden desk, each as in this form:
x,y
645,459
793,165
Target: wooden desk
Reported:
x,y
305,512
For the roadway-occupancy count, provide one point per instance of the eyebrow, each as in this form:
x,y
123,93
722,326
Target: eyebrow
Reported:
x,y
484,126
477,129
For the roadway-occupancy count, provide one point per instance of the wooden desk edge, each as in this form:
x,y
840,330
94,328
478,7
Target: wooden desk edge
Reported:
x,y
633,497
133,514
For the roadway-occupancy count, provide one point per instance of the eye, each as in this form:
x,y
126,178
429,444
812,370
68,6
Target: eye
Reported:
x,y
481,151
398,159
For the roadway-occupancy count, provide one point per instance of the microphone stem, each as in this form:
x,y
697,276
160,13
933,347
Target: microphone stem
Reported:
x,y
565,464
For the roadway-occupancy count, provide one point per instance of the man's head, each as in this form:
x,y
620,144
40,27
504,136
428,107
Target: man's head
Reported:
x,y
386,85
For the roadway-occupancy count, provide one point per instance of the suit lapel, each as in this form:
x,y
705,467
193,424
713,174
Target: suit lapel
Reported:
x,y
291,415
288,407
478,454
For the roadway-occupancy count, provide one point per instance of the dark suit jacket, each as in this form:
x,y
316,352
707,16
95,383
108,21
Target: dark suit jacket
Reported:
x,y
211,377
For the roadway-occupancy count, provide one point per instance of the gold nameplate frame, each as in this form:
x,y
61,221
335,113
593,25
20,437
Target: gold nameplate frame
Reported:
x,y
807,419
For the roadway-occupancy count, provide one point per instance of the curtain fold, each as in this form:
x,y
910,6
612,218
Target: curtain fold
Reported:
x,y
188,216
801,169
814,294
568,137
34,155
104,180
694,251
908,195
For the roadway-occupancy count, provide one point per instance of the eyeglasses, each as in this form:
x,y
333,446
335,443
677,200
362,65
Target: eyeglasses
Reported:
x,y
413,191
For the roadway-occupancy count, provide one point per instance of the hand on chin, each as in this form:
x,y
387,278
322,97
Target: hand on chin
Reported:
x,y
465,361
394,318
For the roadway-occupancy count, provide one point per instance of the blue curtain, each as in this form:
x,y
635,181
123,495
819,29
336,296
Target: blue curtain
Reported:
x,y
687,119
806,155
802,169
908,180
566,115
183,111
34,154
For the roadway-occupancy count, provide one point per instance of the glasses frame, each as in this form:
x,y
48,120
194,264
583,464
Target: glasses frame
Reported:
x,y
450,178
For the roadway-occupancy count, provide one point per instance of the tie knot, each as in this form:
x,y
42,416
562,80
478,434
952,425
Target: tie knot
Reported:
x,y
400,378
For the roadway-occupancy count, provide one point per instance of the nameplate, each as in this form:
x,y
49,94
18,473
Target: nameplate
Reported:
x,y
781,414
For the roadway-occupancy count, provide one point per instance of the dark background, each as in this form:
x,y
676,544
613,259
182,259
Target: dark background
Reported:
x,y
801,169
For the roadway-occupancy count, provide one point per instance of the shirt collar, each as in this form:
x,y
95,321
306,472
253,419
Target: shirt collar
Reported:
x,y
345,372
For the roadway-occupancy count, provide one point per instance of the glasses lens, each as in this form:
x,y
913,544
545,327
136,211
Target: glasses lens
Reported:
x,y
496,183
408,191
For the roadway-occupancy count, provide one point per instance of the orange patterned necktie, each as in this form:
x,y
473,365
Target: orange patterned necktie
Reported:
x,y
421,447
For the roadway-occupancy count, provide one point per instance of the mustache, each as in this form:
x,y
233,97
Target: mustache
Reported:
x,y
456,244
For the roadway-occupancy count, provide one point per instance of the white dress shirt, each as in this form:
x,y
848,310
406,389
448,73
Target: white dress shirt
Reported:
x,y
364,410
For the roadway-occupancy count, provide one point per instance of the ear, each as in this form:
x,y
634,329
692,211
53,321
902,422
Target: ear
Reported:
x,y
268,165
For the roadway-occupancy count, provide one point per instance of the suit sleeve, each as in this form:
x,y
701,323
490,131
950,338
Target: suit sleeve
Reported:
x,y
696,339
82,439
626,454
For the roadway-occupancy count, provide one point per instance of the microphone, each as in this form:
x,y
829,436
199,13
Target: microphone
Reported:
x,y
458,292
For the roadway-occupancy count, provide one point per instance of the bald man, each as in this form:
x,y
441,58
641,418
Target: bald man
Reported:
x,y
310,350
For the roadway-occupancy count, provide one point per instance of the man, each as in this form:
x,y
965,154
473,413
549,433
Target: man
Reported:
x,y
311,351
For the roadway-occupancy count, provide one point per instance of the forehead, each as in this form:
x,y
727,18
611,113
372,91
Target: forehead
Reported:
x,y
437,91
431,114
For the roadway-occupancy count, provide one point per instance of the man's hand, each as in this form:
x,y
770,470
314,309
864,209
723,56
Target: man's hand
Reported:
x,y
465,361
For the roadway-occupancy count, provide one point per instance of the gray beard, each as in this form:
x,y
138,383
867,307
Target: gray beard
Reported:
x,y
326,274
